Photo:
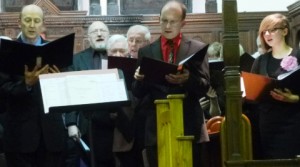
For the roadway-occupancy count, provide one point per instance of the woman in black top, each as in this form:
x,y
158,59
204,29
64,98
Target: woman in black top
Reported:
x,y
279,117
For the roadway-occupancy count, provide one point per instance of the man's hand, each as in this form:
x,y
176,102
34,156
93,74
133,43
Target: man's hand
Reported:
x,y
211,93
31,77
204,103
74,132
54,69
284,95
178,78
137,75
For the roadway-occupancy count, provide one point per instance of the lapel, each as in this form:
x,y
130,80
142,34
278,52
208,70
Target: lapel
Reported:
x,y
156,49
184,49
87,59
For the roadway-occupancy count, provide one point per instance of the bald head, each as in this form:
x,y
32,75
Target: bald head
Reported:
x,y
175,5
31,22
32,9
172,19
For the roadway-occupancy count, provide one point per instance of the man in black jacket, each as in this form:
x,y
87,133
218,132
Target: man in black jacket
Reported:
x,y
193,82
31,137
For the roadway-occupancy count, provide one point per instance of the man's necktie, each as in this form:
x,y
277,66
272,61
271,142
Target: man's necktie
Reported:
x,y
171,55
97,60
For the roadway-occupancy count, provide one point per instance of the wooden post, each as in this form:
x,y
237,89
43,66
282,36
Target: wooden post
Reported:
x,y
174,149
233,136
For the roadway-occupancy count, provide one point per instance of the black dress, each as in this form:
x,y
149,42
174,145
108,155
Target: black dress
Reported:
x,y
279,122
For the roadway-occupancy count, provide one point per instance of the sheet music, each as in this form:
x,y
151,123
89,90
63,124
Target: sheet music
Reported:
x,y
53,92
86,89
75,88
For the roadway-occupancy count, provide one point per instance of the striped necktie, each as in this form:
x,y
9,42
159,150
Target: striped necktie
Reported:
x,y
171,55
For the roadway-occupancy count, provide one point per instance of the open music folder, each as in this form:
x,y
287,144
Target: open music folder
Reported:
x,y
82,90
14,55
156,70
258,87
127,65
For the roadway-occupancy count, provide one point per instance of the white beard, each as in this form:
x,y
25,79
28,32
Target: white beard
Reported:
x,y
99,46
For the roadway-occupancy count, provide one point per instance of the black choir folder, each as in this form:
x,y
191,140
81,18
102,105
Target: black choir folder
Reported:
x,y
217,65
258,87
156,70
127,65
14,55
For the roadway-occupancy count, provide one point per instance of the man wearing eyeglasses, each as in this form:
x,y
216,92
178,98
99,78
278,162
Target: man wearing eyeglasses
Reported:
x,y
101,123
137,36
193,82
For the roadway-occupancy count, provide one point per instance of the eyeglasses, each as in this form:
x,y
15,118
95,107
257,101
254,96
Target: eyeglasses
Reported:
x,y
272,30
137,41
95,32
172,22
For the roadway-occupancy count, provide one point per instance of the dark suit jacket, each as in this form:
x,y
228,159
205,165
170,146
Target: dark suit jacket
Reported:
x,y
25,122
195,87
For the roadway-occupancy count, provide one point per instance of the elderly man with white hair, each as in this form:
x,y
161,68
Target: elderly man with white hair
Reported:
x,y
117,46
138,36
101,124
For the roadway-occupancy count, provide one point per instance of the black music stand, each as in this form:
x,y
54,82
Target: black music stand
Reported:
x,y
88,108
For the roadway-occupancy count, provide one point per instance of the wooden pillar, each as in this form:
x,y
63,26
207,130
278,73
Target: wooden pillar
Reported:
x,y
174,149
233,146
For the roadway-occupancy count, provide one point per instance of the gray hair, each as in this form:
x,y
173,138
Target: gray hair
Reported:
x,y
215,50
140,29
116,38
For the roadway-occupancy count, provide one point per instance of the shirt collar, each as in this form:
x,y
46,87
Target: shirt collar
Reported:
x,y
100,53
175,40
38,41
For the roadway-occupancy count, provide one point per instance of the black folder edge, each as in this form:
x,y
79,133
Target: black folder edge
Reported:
x,y
216,65
198,55
89,107
155,70
14,63
127,65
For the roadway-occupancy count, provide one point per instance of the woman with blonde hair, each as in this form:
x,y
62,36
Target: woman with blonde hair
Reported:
x,y
279,116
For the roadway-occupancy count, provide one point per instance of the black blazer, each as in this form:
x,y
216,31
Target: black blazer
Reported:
x,y
26,125
195,87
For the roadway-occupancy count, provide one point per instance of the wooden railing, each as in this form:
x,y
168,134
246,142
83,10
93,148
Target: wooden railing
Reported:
x,y
244,143
174,149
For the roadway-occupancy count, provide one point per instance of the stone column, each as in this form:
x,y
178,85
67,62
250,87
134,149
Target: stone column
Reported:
x,y
95,8
211,6
113,7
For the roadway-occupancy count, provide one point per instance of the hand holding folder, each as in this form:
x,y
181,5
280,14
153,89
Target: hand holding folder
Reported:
x,y
14,55
155,70
258,87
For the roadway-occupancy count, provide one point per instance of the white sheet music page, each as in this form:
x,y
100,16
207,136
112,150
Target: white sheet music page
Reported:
x,y
82,87
53,92
96,88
